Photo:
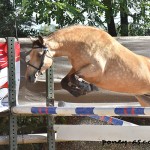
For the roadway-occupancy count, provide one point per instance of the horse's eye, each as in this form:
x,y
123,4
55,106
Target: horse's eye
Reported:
x,y
39,54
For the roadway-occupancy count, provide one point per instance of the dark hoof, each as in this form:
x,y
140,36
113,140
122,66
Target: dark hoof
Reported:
x,y
76,92
87,87
82,84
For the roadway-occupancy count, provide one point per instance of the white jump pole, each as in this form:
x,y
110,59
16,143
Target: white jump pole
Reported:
x,y
107,119
69,111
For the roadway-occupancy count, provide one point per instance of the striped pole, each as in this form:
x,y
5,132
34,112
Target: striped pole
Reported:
x,y
107,119
69,111
110,120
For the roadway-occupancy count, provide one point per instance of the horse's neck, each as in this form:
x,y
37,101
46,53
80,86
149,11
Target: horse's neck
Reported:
x,y
58,48
148,63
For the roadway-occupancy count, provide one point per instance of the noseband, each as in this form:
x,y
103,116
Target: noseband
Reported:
x,y
45,50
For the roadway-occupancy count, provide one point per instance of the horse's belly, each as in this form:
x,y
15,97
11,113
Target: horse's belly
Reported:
x,y
122,86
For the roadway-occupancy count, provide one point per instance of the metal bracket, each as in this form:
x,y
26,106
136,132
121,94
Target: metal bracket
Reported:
x,y
50,102
12,93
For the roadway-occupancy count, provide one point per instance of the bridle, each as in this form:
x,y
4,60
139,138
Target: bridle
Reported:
x,y
45,50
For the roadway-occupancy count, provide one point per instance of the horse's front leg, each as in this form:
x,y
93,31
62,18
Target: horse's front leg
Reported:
x,y
84,86
67,84
72,83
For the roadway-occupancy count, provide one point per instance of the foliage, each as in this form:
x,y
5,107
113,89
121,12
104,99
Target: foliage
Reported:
x,y
46,29
140,17
26,125
7,18
64,12
100,13
13,21
132,16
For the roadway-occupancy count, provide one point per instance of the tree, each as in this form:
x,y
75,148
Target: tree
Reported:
x,y
7,18
65,12
140,16
109,17
124,17
100,13
13,23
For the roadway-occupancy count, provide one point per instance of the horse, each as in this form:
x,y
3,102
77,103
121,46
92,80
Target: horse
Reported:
x,y
96,58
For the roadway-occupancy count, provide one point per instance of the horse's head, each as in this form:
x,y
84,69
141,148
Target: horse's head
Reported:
x,y
40,60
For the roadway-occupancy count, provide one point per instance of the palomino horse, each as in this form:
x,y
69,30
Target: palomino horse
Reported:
x,y
97,58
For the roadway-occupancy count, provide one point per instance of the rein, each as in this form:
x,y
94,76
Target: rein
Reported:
x,y
45,50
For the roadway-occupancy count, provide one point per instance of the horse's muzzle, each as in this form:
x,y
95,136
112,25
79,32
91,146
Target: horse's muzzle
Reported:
x,y
32,79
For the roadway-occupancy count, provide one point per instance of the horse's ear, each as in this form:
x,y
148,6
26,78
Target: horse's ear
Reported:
x,y
32,39
40,39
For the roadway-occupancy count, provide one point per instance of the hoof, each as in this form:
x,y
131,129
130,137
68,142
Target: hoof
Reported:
x,y
76,92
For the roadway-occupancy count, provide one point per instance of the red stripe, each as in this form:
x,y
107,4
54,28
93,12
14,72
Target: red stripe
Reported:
x,y
132,111
3,51
125,111
4,85
46,110
102,118
110,120
40,110
17,58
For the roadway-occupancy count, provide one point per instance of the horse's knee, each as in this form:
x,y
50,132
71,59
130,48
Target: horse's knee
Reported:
x,y
76,87
64,83
71,88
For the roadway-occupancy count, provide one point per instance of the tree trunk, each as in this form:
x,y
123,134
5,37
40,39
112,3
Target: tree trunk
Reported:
x,y
110,18
124,18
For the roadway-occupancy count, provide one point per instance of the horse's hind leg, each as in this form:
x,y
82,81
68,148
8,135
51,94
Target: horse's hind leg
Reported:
x,y
144,100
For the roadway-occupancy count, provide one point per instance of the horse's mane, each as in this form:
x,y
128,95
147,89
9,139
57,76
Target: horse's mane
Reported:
x,y
38,44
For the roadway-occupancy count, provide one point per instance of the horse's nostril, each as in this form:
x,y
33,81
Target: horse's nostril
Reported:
x,y
31,79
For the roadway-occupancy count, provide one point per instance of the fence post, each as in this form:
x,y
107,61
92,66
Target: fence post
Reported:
x,y
12,93
50,102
